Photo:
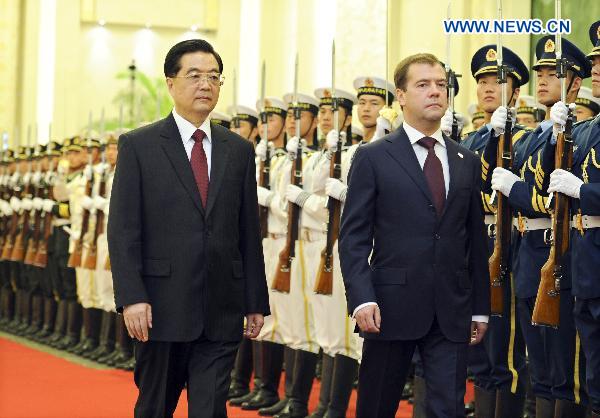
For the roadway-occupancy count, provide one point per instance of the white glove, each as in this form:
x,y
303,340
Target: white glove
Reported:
x,y
336,189
61,192
38,203
100,203
49,177
564,182
295,194
26,204
331,141
558,114
446,123
503,180
26,178
499,118
100,168
74,233
292,147
261,150
14,179
88,171
6,208
264,196
87,202
36,177
15,204
382,125
48,205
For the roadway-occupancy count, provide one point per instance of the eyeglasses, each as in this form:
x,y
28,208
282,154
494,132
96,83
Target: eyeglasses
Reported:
x,y
214,79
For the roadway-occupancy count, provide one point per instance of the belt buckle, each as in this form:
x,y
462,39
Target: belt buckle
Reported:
x,y
521,223
579,223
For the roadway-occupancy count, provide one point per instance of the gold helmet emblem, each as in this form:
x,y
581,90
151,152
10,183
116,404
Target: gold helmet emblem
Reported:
x,y
491,55
369,82
326,93
549,46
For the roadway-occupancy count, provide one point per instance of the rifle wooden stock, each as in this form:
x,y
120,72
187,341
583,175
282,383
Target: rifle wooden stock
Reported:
x,y
264,181
18,251
33,242
41,257
499,261
281,281
10,237
107,265
546,311
77,254
92,254
324,280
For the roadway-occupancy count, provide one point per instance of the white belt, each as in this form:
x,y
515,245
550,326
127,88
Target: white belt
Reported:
x,y
531,224
312,235
490,219
583,222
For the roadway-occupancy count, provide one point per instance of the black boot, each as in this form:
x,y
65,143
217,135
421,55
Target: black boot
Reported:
x,y
344,372
242,371
18,312
509,405
529,401
419,393
123,346
49,318
92,332
60,324
485,403
85,324
107,336
25,313
304,375
272,359
568,409
544,408
37,315
73,331
325,392
8,307
289,357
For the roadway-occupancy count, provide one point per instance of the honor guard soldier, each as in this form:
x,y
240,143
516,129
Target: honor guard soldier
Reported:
x,y
555,364
220,119
582,185
477,116
275,333
310,236
7,295
529,112
244,122
588,106
498,364
373,94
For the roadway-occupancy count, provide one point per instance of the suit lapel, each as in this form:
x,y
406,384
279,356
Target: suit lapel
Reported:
x,y
173,147
219,159
401,150
455,167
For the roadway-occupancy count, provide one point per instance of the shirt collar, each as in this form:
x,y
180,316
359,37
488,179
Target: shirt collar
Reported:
x,y
414,135
544,125
187,128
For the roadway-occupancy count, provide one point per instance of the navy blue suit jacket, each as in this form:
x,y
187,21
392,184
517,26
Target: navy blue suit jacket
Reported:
x,y
421,266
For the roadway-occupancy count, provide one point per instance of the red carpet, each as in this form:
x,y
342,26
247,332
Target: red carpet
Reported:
x,y
35,384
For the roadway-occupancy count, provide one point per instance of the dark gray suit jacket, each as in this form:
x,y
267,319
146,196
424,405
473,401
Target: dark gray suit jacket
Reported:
x,y
201,269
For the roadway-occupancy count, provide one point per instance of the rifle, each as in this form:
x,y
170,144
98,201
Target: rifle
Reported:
x,y
546,311
264,166
451,78
92,254
76,255
18,251
41,257
324,281
281,281
500,258
33,242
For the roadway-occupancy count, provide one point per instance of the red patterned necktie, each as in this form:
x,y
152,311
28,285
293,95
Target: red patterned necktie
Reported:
x,y
200,165
434,174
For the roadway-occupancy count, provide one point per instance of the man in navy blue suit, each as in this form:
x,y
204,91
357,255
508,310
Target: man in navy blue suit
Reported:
x,y
413,251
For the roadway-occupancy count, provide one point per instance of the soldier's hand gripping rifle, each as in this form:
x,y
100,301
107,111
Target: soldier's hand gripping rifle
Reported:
x,y
546,311
499,262
324,280
281,281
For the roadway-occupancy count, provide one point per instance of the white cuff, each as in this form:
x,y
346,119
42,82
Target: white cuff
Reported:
x,y
362,305
480,318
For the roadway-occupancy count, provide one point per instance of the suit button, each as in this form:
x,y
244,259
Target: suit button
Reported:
x,y
436,236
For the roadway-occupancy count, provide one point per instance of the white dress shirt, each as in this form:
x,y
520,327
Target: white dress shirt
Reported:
x,y
187,129
421,152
